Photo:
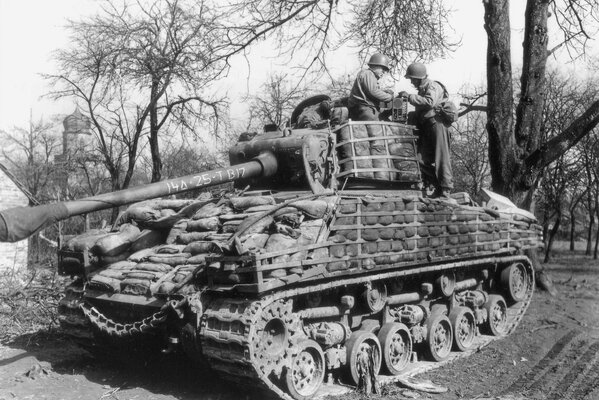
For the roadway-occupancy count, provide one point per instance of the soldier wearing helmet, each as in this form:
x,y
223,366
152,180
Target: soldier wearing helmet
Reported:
x,y
433,145
365,95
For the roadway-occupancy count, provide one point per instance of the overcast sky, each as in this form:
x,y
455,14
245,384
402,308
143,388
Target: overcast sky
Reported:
x,y
31,29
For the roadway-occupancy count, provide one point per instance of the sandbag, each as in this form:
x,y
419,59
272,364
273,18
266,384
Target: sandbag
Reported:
x,y
255,242
242,203
200,247
151,275
231,226
253,225
378,148
210,210
111,273
141,255
175,204
124,265
262,208
278,242
153,267
140,213
286,230
204,224
116,243
148,238
170,249
167,212
313,208
186,238
309,231
354,149
199,259
293,219
170,259
85,241
106,283
135,286
178,229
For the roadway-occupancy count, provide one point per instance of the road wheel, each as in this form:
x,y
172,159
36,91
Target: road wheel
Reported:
x,y
496,323
439,337
464,328
362,347
516,282
396,346
306,373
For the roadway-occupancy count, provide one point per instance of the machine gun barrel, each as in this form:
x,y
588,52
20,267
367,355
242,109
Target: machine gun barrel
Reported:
x,y
21,222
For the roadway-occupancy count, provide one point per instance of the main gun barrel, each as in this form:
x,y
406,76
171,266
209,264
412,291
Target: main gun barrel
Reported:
x,y
21,222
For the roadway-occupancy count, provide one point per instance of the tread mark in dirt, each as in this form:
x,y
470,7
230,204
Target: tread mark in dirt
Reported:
x,y
543,363
590,382
548,381
578,369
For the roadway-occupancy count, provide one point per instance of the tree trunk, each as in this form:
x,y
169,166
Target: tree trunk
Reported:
x,y
596,243
552,234
590,234
597,234
154,147
572,229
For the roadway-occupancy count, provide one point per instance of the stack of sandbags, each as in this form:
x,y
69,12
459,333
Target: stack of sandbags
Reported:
x,y
383,142
376,231
351,149
162,260
380,152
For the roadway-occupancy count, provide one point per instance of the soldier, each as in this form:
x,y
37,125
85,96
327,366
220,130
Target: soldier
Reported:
x,y
433,145
365,95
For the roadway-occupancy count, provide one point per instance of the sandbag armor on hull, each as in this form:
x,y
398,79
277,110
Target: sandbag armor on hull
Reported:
x,y
334,258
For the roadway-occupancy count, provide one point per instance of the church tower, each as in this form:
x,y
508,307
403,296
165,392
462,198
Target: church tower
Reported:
x,y
76,135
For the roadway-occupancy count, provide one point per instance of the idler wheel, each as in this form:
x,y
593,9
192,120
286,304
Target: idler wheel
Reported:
x,y
445,283
516,282
375,296
464,328
363,348
396,346
306,372
496,323
439,337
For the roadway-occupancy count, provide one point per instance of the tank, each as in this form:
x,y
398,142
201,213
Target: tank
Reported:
x,y
327,258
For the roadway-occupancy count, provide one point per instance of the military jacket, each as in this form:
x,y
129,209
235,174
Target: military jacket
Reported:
x,y
430,94
366,91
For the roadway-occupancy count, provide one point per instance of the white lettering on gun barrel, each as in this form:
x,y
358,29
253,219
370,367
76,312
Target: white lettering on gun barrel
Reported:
x,y
205,179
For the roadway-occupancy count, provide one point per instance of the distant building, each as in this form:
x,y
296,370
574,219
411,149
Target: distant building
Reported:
x,y
13,256
76,143
76,137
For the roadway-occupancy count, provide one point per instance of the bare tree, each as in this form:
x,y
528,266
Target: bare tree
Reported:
x,y
275,101
135,66
30,155
469,146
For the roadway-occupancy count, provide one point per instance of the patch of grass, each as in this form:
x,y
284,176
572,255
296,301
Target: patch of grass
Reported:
x,y
28,301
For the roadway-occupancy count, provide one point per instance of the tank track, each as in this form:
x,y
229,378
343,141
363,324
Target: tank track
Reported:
x,y
234,337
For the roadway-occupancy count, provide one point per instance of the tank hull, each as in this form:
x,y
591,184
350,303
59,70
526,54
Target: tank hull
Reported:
x,y
303,287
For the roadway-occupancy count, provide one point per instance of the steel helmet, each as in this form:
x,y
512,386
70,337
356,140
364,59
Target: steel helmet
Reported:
x,y
379,59
416,70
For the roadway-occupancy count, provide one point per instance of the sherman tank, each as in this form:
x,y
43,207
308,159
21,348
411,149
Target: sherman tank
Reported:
x,y
325,260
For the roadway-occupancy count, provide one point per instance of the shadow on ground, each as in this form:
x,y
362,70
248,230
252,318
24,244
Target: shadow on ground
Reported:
x,y
118,372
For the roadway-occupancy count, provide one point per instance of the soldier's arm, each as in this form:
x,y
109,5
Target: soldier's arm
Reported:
x,y
371,88
431,97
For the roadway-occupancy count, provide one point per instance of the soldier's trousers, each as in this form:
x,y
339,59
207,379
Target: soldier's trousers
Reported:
x,y
363,113
435,158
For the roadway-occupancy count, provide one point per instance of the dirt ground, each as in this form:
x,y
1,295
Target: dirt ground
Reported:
x,y
554,354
